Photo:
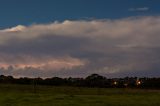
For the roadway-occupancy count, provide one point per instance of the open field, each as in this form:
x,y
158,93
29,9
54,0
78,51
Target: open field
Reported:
x,y
24,95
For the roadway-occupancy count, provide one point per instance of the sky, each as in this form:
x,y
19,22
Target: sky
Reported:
x,y
76,38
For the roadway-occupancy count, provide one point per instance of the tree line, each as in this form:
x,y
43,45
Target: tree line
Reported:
x,y
93,80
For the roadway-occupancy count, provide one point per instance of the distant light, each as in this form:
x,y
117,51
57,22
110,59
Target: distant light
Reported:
x,y
115,83
126,84
138,82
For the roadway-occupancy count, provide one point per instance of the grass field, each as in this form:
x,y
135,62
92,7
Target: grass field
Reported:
x,y
23,95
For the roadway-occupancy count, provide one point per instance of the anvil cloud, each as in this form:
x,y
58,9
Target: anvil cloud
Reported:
x,y
115,48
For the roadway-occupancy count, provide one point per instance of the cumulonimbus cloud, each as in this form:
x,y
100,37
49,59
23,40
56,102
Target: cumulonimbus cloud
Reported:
x,y
78,48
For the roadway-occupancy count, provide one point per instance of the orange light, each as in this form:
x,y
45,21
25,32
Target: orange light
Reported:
x,y
138,82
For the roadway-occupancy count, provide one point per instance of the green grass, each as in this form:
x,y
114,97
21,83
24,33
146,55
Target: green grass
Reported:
x,y
23,95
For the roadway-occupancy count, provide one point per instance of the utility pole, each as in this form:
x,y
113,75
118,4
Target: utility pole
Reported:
x,y
34,85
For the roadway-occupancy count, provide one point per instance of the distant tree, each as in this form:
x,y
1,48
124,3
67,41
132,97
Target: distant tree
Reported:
x,y
96,80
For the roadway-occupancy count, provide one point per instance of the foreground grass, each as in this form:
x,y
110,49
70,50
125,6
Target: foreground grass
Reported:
x,y
23,95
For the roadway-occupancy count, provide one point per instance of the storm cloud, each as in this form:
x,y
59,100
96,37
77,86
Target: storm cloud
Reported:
x,y
114,48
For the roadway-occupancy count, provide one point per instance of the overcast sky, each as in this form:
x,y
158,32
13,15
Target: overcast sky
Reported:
x,y
47,38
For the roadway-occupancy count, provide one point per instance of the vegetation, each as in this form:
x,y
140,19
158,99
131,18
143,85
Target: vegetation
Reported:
x,y
93,80
94,90
24,95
